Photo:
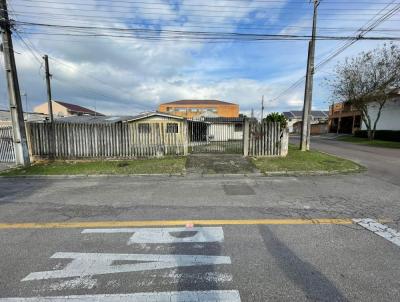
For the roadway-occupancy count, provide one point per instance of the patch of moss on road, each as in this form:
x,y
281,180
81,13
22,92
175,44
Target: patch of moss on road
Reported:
x,y
168,165
309,161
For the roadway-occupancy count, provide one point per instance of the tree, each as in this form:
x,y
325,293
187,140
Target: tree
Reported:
x,y
276,117
367,80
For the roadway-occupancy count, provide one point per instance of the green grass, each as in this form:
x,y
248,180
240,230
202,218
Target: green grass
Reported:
x,y
365,141
168,165
309,161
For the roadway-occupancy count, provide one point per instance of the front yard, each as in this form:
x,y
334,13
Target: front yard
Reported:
x,y
168,165
296,161
310,161
365,141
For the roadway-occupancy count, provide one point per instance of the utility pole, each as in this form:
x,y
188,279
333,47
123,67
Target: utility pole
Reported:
x,y
50,107
262,108
17,115
305,133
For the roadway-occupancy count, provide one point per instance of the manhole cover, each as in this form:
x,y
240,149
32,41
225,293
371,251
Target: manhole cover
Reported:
x,y
239,189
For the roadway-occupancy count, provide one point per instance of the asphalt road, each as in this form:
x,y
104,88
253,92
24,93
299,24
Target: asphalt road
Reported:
x,y
382,163
247,262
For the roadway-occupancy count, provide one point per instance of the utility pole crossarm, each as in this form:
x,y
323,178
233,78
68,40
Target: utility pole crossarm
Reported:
x,y
17,115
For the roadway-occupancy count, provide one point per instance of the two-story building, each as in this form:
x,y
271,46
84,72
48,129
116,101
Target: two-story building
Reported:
x,y
200,108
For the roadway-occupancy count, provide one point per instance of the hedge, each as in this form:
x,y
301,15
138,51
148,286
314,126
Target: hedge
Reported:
x,y
385,135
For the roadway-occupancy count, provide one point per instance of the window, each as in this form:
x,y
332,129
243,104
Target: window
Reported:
x,y
238,127
172,128
144,128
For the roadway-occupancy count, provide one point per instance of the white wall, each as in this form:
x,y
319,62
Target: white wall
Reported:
x,y
223,132
390,116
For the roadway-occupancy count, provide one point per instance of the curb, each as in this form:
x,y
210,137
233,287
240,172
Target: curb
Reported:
x,y
315,173
192,176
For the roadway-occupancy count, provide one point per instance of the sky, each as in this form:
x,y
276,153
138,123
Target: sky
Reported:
x,y
124,72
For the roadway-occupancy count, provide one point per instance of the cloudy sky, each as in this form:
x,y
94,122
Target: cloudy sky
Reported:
x,y
137,56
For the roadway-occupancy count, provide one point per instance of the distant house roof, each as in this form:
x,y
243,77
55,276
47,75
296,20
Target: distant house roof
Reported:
x,y
5,116
299,114
91,119
217,120
103,119
151,114
198,102
77,108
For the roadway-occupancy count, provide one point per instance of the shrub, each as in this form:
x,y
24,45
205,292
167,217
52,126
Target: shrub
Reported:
x,y
385,135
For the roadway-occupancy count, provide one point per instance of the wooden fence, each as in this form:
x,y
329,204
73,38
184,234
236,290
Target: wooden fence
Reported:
x,y
266,139
120,140
6,145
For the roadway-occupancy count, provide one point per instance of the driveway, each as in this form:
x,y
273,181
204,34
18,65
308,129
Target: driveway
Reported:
x,y
382,163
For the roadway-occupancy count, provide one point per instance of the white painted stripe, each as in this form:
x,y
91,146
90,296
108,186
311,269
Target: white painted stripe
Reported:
x,y
380,229
89,264
183,296
166,235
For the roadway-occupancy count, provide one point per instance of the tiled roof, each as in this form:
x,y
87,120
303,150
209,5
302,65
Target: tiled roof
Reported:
x,y
198,102
77,108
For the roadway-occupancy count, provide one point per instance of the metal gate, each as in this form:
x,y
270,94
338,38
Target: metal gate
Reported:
x,y
6,145
216,135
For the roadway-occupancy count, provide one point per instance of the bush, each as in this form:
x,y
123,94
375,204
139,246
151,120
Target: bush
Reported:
x,y
385,135
277,117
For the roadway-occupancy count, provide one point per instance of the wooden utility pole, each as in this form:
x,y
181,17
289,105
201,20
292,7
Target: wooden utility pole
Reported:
x,y
262,109
50,107
17,115
305,133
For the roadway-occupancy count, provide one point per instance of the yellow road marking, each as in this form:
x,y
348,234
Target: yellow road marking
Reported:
x,y
162,223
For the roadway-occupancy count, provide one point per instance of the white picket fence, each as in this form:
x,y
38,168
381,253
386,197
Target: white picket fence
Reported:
x,y
6,145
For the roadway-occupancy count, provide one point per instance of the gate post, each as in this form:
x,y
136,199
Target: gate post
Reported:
x,y
246,135
185,133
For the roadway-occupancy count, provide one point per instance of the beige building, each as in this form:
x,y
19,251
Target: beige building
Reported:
x,y
61,109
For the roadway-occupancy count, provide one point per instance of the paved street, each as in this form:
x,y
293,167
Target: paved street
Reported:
x,y
382,163
92,252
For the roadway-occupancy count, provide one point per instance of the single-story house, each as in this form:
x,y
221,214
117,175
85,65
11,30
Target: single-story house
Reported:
x,y
61,109
344,118
317,127
5,117
390,114
296,116
224,128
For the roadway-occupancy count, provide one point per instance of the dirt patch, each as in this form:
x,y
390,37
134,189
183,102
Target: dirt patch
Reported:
x,y
219,164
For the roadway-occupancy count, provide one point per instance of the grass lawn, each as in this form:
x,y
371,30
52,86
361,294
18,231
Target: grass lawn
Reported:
x,y
365,141
168,165
298,161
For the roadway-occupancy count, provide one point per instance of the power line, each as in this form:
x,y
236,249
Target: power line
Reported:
x,y
369,27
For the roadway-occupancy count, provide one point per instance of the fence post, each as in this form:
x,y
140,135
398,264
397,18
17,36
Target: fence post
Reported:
x,y
246,136
285,142
185,137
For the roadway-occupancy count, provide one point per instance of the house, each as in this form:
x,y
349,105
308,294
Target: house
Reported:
x,y
5,117
224,128
317,128
153,129
293,117
344,118
61,109
390,114
200,108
